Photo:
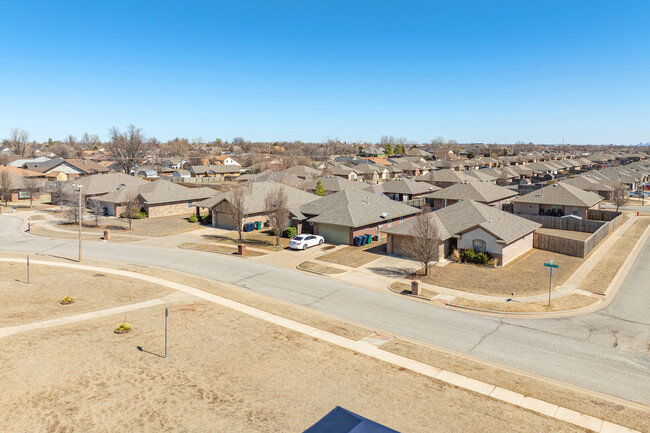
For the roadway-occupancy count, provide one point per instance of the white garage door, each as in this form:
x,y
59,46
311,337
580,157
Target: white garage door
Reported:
x,y
334,234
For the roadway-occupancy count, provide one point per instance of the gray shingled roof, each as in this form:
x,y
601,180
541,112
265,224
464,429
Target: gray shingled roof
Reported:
x,y
303,171
407,186
467,215
561,194
105,183
334,184
478,191
446,175
164,191
203,169
256,192
355,208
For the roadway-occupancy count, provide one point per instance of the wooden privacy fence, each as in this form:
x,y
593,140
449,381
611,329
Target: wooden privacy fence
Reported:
x,y
602,215
574,247
568,223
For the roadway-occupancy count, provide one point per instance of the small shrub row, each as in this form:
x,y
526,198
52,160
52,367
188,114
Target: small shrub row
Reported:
x,y
477,257
289,232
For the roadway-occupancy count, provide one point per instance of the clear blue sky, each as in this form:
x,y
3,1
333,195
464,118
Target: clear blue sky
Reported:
x,y
488,71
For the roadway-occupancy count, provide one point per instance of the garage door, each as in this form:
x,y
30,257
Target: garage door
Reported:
x,y
334,234
224,221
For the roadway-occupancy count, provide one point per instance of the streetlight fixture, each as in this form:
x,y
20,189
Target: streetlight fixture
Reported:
x,y
78,189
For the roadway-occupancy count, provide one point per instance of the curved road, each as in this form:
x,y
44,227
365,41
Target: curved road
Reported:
x,y
606,351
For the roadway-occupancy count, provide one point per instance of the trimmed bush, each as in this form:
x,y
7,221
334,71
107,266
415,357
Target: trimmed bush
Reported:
x,y
289,232
193,218
478,257
122,328
207,219
66,301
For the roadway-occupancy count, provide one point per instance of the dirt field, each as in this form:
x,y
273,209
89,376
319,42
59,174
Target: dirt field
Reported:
x,y
256,239
26,303
524,276
225,372
568,234
323,269
356,256
600,277
215,248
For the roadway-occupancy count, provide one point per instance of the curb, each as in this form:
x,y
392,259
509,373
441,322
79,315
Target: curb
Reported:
x,y
322,274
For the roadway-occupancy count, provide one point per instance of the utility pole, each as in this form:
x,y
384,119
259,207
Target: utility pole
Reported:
x,y
166,315
79,189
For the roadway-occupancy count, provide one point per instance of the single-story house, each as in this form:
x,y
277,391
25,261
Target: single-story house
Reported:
x,y
343,171
217,171
158,198
100,184
481,192
445,177
371,172
74,167
558,199
406,189
470,225
341,216
332,184
225,160
303,171
587,183
254,201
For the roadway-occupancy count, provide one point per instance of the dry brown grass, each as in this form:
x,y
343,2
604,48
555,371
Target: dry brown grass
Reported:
x,y
225,372
44,231
320,268
257,239
404,287
153,227
563,303
600,277
37,217
542,389
567,234
356,256
26,303
524,276
216,248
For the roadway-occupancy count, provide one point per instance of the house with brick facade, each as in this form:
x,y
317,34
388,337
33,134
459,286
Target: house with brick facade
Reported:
x,y
470,225
481,192
254,201
558,199
341,216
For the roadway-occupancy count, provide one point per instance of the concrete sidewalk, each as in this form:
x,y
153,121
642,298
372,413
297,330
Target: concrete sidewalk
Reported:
x,y
362,347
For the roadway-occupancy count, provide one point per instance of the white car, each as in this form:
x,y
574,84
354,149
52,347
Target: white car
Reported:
x,y
302,242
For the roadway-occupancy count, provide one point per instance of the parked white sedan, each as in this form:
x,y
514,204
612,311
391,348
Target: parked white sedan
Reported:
x,y
302,242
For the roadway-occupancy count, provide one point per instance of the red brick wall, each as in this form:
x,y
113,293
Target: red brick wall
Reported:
x,y
373,229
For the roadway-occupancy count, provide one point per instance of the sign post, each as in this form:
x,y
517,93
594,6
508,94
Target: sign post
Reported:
x,y
27,268
166,315
551,267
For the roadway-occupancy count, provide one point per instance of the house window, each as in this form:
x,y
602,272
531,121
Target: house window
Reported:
x,y
390,223
478,245
574,211
189,203
401,219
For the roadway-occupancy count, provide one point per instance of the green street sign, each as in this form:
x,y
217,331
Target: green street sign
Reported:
x,y
551,265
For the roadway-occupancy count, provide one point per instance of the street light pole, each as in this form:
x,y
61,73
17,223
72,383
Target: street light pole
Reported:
x,y
73,185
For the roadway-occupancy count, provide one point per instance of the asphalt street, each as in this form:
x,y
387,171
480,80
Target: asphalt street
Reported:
x,y
606,351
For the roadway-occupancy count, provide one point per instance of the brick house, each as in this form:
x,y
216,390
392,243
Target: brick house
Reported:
x,y
470,225
558,199
481,192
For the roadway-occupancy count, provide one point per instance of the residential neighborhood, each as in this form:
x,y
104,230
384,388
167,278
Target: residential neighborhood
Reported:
x,y
416,217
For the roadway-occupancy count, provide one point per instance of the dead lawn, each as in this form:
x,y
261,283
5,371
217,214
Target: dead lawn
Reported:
x,y
525,384
44,231
563,303
601,276
356,256
225,372
524,276
568,234
257,239
39,300
153,227
320,268
405,288
216,248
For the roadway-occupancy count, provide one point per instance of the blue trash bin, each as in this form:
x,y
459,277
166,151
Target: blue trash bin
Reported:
x,y
357,241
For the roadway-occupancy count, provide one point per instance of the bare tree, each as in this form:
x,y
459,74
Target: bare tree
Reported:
x,y
237,209
96,210
6,186
90,141
75,147
425,244
276,204
59,194
33,186
132,208
620,196
503,179
127,148
61,150
19,141
72,211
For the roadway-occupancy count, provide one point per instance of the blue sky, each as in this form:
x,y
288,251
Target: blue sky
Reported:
x,y
500,71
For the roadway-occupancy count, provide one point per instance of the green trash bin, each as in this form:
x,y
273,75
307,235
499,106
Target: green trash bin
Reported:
x,y
258,225
369,239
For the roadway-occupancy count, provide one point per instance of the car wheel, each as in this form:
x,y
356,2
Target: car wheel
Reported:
x,y
320,242
304,247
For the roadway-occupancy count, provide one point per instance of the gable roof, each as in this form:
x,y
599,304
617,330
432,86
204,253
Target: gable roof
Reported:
x,y
467,215
255,193
446,175
217,168
407,186
302,171
20,171
334,183
106,182
355,208
561,194
478,191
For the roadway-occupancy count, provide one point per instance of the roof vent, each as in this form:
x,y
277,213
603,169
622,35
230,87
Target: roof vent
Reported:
x,y
384,214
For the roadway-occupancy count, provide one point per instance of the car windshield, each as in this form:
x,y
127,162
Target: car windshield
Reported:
x,y
298,238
